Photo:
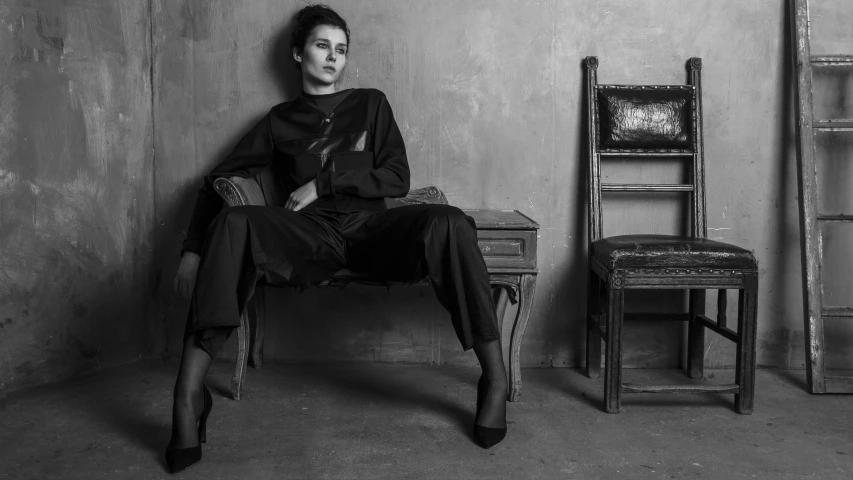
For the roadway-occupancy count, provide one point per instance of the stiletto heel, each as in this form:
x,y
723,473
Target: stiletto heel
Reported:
x,y
178,459
486,437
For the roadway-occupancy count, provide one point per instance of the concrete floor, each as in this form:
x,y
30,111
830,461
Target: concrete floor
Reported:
x,y
371,421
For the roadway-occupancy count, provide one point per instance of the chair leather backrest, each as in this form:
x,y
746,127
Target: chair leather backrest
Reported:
x,y
636,117
645,122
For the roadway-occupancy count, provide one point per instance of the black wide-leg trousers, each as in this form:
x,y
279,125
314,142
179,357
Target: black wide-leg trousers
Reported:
x,y
276,246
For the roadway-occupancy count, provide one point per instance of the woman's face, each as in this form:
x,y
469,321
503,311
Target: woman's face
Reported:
x,y
324,56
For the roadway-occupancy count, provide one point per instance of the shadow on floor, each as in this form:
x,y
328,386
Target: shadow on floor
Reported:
x,y
129,416
363,384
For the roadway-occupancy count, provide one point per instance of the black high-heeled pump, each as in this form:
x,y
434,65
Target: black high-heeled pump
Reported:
x,y
485,437
178,459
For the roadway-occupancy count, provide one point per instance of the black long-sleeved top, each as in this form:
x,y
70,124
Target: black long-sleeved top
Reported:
x,y
356,155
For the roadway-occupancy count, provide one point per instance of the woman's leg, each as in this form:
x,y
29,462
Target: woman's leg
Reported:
x,y
243,245
492,410
188,400
440,241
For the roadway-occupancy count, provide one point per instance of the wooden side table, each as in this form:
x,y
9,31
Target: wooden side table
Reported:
x,y
507,239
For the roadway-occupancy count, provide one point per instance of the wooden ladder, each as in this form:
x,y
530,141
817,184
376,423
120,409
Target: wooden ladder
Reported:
x,y
815,312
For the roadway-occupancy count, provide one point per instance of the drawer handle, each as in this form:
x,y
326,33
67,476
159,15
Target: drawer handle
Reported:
x,y
486,248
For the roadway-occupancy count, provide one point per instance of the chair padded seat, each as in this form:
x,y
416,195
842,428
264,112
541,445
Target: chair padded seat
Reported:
x,y
667,251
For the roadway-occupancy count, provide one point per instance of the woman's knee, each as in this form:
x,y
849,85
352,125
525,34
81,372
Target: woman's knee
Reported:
x,y
449,215
233,219
447,221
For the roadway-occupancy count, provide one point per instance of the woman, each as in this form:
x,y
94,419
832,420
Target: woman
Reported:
x,y
338,153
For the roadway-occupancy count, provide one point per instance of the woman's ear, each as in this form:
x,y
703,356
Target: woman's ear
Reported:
x,y
297,55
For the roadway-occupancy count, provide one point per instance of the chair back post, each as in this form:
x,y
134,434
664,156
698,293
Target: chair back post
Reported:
x,y
594,174
694,73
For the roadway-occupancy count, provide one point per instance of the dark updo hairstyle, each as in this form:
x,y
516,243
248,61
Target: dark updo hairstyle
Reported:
x,y
311,17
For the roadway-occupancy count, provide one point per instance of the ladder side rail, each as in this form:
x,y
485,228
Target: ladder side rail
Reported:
x,y
807,186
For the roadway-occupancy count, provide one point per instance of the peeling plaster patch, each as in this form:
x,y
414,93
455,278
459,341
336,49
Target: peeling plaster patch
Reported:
x,y
9,180
8,126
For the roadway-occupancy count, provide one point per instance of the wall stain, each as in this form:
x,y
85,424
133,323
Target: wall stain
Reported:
x,y
85,350
79,310
196,20
25,368
38,30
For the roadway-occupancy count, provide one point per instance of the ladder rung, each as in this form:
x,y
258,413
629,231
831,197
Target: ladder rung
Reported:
x,y
680,388
837,312
644,153
831,60
834,218
845,124
640,317
632,187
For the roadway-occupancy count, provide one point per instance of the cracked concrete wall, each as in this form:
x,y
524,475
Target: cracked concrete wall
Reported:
x,y
488,95
75,187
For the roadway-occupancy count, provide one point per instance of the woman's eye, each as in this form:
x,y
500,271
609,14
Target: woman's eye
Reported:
x,y
321,45
342,51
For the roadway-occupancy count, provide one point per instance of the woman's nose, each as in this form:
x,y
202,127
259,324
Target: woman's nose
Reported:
x,y
331,56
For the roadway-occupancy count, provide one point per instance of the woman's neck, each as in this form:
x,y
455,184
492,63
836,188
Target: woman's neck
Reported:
x,y
315,89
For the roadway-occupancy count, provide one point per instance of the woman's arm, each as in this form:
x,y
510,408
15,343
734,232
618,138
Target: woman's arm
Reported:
x,y
252,154
390,178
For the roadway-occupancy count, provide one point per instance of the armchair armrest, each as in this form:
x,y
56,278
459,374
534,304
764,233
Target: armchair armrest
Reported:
x,y
432,195
239,191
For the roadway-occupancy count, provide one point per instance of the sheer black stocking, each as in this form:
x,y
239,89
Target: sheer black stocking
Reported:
x,y
492,410
188,396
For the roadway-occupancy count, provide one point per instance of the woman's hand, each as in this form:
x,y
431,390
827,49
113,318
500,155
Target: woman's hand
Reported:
x,y
187,271
302,196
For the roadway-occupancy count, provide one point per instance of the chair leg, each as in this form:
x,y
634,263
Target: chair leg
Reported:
x,y
242,357
696,335
613,349
258,310
745,363
593,335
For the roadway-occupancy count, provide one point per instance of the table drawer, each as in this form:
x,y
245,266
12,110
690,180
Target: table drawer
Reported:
x,y
508,248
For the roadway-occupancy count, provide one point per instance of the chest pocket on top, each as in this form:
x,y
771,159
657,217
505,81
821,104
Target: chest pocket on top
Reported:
x,y
352,161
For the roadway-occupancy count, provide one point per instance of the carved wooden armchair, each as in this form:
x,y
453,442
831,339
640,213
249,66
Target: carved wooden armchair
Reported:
x,y
641,122
262,190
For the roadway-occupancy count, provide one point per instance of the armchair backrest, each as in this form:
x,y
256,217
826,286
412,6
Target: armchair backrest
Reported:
x,y
645,121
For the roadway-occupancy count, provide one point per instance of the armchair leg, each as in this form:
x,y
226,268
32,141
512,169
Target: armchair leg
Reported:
x,y
258,310
242,357
593,334
613,351
696,335
745,368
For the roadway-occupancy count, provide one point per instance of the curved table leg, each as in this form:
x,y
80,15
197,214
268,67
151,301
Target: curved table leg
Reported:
x,y
527,288
501,296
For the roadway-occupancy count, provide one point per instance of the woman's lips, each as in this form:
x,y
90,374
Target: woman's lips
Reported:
x,y
329,69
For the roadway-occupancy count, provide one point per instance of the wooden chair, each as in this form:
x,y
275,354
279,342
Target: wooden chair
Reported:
x,y
656,122
262,190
